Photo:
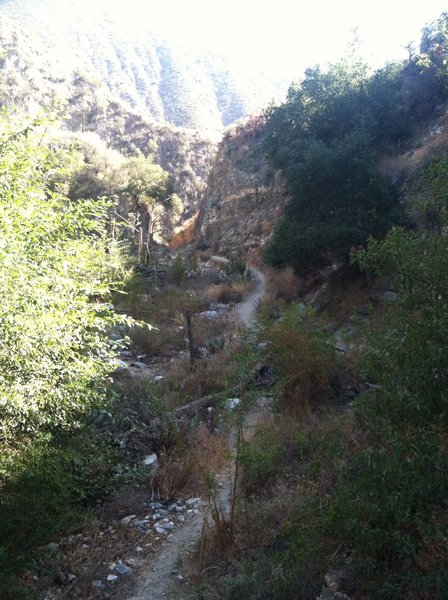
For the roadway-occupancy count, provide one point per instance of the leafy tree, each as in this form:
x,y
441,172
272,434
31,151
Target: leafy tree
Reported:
x,y
329,104
397,516
86,104
325,138
57,266
426,73
97,170
144,191
434,45
52,262
339,199
148,187
430,204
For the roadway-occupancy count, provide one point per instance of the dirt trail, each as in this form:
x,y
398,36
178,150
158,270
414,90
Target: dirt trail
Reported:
x,y
162,581
247,309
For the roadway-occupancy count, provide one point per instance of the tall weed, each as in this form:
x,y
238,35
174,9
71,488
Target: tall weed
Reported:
x,y
302,353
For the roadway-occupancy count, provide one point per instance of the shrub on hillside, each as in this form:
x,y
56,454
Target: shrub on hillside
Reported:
x,y
57,266
398,515
301,352
339,199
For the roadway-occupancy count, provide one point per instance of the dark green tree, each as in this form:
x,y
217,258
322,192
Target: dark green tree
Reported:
x,y
426,73
396,514
339,200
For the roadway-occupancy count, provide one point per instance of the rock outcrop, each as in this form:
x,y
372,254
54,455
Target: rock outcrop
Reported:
x,y
244,197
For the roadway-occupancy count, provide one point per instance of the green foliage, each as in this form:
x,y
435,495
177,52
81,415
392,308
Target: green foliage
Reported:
x,y
237,270
97,172
398,516
324,139
146,203
426,74
339,200
147,181
434,43
329,104
150,190
262,458
431,203
87,102
57,267
178,270
43,491
301,352
374,482
288,471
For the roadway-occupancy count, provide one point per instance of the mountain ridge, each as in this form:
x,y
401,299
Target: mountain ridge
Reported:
x,y
161,79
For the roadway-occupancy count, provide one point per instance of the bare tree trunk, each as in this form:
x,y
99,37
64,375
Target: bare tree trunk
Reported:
x,y
140,245
149,238
190,339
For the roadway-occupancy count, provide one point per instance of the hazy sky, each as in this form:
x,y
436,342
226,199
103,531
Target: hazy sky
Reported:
x,y
297,34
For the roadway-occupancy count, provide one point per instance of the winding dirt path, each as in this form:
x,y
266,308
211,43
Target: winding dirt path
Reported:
x,y
247,309
162,582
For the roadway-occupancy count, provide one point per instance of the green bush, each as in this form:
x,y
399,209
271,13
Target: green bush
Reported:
x,y
237,270
303,355
262,458
57,266
178,270
398,515
339,198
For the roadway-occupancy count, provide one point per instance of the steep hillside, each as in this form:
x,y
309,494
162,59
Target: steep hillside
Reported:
x,y
30,81
244,197
184,153
156,77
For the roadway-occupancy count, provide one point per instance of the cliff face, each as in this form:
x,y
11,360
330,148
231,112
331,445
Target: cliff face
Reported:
x,y
231,200
244,197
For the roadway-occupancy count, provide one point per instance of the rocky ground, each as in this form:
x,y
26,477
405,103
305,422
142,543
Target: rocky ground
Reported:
x,y
136,546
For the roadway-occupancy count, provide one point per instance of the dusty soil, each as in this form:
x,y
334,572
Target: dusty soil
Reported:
x,y
163,579
247,309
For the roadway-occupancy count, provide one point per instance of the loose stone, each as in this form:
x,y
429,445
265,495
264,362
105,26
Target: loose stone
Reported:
x,y
128,519
123,570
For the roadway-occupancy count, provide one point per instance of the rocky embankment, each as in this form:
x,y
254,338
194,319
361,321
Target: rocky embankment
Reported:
x,y
244,197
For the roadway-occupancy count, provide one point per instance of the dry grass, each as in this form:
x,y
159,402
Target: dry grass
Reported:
x,y
282,284
174,475
254,258
205,329
300,353
228,293
243,287
211,374
302,480
407,165
188,469
160,340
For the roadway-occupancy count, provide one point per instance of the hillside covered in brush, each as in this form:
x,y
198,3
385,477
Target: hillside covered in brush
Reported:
x,y
162,80
270,391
